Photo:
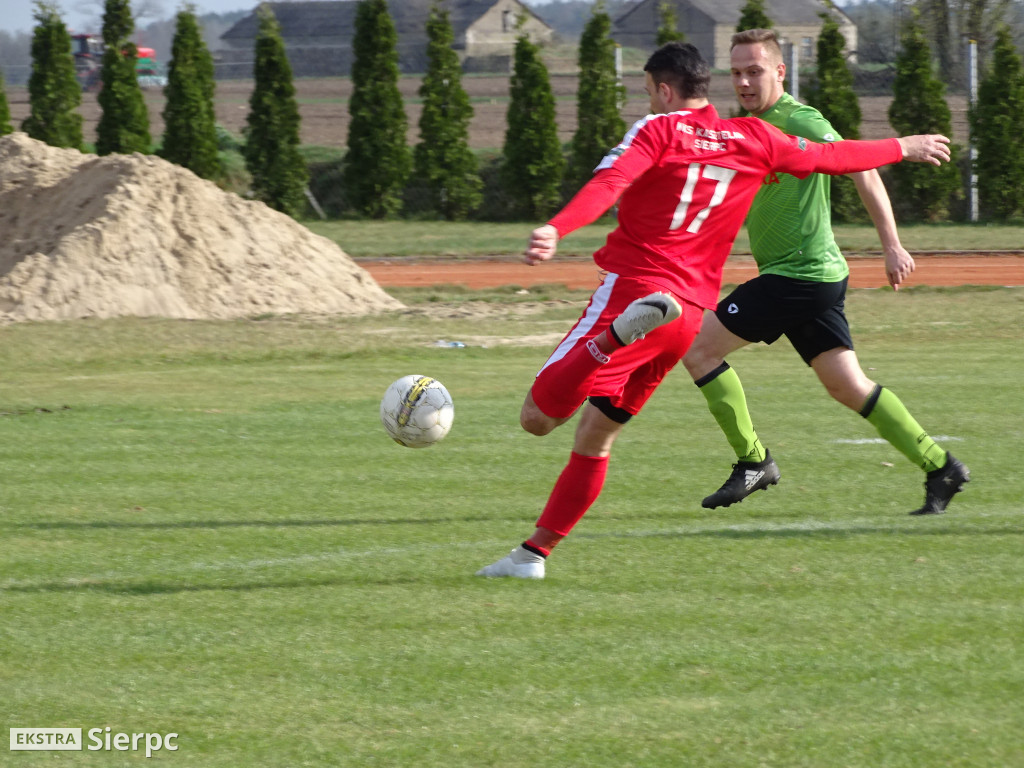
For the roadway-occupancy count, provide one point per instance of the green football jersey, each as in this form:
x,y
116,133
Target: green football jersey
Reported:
x,y
790,222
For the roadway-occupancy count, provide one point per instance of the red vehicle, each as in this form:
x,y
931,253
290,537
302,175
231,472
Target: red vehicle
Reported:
x,y
88,53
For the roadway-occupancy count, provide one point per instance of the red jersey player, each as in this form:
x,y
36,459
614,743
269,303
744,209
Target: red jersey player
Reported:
x,y
686,179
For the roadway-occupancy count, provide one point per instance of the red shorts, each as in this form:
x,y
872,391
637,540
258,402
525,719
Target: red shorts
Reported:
x,y
635,371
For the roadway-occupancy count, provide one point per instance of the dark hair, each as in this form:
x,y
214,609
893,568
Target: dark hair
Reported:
x,y
765,37
682,67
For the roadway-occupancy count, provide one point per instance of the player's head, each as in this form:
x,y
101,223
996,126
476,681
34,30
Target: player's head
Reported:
x,y
757,69
681,68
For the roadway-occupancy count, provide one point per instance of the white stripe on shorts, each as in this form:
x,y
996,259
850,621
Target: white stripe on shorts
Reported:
x,y
598,303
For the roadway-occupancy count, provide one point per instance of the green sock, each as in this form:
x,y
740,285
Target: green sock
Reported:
x,y
728,404
893,421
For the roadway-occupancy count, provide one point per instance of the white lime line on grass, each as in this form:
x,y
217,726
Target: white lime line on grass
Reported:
x,y
488,548
879,440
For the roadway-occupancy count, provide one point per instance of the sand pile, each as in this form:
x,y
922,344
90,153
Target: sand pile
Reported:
x,y
85,236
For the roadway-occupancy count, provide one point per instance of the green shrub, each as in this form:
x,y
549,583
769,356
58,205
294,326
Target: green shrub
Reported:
x,y
922,192
599,126
279,175
533,161
445,179
378,161
190,131
124,125
995,127
53,91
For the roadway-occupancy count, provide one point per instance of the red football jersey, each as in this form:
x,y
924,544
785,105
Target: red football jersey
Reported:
x,y
689,178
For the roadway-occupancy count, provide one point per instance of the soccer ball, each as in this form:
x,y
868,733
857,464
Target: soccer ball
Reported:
x,y
417,411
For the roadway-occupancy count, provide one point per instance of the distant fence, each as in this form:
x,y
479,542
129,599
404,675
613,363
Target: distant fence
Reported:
x,y
16,74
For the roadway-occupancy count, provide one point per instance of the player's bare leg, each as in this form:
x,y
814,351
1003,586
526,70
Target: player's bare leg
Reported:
x,y
713,344
840,372
535,421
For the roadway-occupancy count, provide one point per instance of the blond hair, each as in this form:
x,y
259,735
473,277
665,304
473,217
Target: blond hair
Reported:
x,y
765,37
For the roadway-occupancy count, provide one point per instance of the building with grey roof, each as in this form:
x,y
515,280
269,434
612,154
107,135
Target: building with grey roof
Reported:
x,y
318,35
710,24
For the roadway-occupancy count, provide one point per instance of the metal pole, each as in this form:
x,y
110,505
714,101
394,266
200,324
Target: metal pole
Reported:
x,y
793,69
972,99
623,97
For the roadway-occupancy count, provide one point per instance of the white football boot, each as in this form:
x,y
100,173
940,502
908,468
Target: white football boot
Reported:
x,y
644,315
520,563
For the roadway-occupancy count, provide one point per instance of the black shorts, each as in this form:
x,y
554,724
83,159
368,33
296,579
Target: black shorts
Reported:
x,y
809,314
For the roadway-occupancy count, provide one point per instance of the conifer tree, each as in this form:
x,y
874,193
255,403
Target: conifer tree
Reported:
x,y
599,126
922,191
53,91
444,164
124,125
5,109
532,155
995,126
668,24
378,161
279,174
190,132
753,16
834,97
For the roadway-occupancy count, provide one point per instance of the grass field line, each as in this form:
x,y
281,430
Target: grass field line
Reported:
x,y
188,368
880,441
124,374
492,548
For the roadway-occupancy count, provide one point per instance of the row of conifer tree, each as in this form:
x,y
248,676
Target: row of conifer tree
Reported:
x,y
380,176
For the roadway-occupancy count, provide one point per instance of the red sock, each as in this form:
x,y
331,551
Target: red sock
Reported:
x,y
536,548
563,384
577,488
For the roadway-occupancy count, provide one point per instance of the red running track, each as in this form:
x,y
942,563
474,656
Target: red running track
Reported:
x,y
576,273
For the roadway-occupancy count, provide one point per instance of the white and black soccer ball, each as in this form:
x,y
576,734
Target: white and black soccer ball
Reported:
x,y
417,411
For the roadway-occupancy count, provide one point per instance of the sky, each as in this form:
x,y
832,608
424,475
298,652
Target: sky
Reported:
x,y
85,15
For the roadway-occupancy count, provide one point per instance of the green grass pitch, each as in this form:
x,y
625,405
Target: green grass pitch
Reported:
x,y
204,530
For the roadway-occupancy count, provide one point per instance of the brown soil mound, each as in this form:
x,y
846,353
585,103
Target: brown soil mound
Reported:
x,y
87,236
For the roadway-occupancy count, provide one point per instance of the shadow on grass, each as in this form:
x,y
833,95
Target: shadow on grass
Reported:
x,y
144,588
187,524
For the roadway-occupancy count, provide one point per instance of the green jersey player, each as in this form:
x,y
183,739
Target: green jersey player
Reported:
x,y
800,293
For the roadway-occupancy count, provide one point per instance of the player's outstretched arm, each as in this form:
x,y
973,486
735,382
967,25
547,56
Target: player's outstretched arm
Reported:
x,y
543,245
925,148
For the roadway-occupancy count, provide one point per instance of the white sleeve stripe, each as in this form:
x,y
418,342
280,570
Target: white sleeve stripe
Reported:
x,y
609,160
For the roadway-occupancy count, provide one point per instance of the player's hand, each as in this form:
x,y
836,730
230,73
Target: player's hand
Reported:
x,y
898,266
543,244
925,148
